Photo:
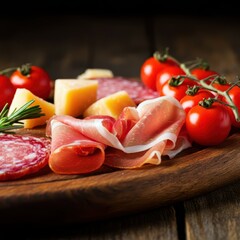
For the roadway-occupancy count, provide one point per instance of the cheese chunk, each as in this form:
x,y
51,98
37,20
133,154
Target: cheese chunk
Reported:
x,y
111,105
21,97
73,96
96,73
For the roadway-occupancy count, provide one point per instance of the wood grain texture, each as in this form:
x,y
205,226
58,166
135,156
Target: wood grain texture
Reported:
x,y
156,224
214,216
110,193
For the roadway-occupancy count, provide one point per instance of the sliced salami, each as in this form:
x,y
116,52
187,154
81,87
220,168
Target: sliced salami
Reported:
x,y
21,155
136,90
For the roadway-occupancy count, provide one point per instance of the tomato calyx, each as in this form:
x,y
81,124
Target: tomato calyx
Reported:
x,y
193,90
25,69
207,103
164,56
204,64
176,81
220,80
160,57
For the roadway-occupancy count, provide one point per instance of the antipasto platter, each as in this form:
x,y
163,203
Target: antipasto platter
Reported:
x,y
108,146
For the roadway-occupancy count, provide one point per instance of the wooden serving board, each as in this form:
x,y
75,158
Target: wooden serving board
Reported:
x,y
46,197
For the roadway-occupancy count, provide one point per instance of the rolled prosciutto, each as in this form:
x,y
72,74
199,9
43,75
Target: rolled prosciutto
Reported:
x,y
139,136
72,152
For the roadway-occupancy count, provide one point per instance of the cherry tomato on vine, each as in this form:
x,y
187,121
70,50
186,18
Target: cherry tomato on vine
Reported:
x,y
221,86
175,87
151,67
7,91
208,126
201,73
33,78
234,94
166,74
189,101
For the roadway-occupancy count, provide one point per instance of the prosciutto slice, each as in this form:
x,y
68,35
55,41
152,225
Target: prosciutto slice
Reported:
x,y
72,152
140,135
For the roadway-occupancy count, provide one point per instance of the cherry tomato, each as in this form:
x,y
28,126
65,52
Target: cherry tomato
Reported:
x,y
189,101
33,78
166,74
234,94
151,67
201,73
208,126
175,88
221,86
7,91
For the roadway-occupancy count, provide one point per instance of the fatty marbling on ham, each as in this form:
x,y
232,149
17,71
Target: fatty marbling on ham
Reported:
x,y
139,136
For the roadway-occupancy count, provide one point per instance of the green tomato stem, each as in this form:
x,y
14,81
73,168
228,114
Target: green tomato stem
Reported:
x,y
225,94
162,57
188,66
8,70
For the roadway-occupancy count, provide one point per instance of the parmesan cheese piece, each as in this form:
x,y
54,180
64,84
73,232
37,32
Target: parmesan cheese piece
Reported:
x,y
73,96
21,97
96,73
111,105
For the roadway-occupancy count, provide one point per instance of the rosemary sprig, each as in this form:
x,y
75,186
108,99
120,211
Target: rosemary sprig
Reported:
x,y
13,120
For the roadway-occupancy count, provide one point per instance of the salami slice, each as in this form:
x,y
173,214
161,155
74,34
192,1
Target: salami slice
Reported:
x,y
21,155
136,89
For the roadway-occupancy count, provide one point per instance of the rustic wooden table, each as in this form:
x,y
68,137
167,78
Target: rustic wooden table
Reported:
x,y
65,45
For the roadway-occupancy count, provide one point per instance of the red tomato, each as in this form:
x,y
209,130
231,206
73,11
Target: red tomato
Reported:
x,y
201,73
7,91
189,101
151,67
178,90
166,74
208,126
33,78
221,86
234,94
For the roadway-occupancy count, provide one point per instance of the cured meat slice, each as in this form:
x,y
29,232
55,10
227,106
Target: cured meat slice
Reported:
x,y
97,128
118,159
72,152
136,89
22,155
157,132
140,135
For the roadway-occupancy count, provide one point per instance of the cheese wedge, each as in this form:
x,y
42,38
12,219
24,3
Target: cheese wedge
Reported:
x,y
95,73
73,96
23,96
111,105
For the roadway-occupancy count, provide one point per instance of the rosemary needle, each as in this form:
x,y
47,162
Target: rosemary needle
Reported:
x,y
13,120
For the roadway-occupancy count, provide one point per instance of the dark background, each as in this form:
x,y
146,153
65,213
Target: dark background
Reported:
x,y
51,30
113,8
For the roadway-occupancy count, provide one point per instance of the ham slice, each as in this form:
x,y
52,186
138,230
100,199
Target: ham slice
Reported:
x,y
139,136
157,131
72,152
